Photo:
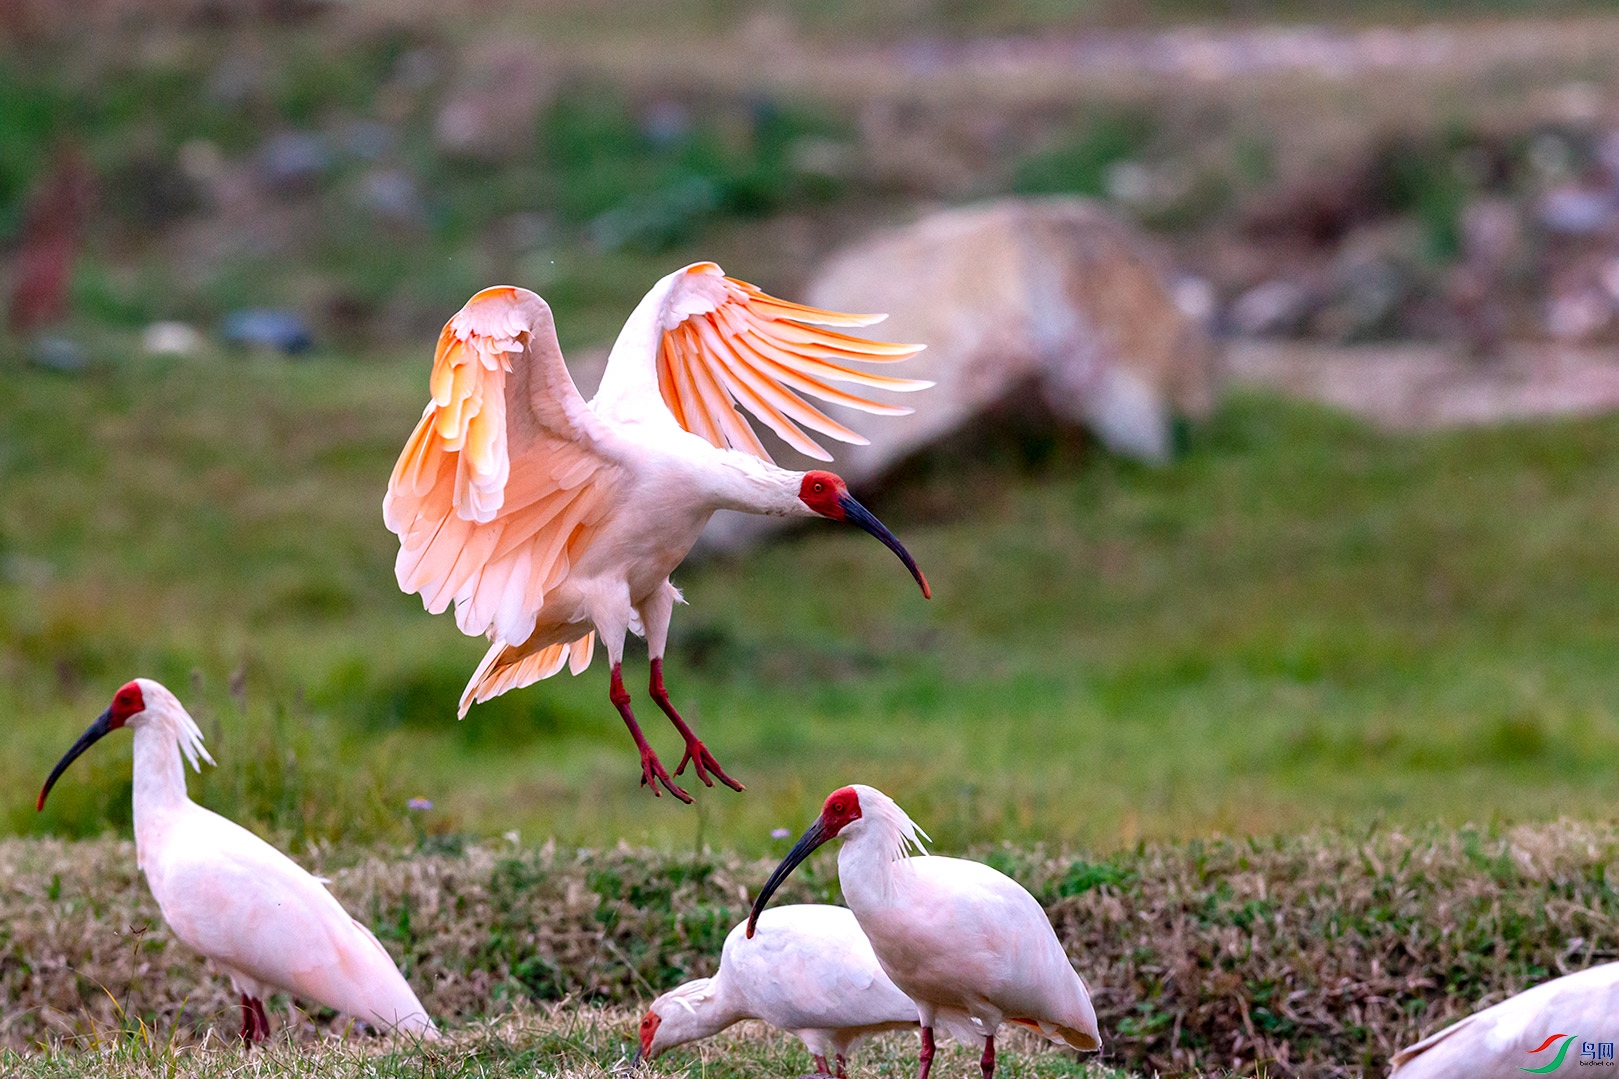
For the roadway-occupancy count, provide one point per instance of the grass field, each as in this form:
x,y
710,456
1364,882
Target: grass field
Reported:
x,y
565,1042
1316,956
1299,622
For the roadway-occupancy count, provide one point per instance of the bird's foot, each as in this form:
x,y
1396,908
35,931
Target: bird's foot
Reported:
x,y
653,772
703,762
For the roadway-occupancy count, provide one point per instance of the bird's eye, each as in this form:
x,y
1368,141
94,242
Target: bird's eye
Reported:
x,y
819,487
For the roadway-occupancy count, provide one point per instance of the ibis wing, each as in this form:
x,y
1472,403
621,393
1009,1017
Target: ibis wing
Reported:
x,y
720,343
513,666
506,476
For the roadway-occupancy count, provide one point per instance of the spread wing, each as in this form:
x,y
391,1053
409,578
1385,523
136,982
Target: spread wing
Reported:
x,y
505,478
702,343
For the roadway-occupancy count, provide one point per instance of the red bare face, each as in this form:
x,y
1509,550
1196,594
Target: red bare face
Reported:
x,y
649,1030
842,806
127,702
820,491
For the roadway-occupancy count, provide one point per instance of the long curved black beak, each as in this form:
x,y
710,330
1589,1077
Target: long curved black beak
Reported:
x,y
856,514
635,1061
96,731
813,837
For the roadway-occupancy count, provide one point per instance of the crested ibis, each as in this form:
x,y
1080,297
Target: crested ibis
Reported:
x,y
228,894
963,940
810,970
1531,1032
548,521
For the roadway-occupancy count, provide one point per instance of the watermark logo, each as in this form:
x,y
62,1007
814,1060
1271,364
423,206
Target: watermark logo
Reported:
x,y
1593,1054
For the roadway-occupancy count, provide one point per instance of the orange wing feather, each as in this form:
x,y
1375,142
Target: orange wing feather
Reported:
x,y
499,486
763,353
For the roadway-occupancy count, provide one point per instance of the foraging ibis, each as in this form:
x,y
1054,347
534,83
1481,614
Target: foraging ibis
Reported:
x,y
1534,1031
965,941
230,895
808,970
548,521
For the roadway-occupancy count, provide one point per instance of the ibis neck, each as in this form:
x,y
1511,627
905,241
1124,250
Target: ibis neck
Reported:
x,y
159,779
709,1016
872,868
743,482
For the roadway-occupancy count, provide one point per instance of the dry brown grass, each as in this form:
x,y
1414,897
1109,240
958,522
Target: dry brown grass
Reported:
x,y
1316,956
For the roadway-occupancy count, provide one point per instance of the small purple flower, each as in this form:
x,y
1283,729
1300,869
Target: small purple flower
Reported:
x,y
779,833
420,804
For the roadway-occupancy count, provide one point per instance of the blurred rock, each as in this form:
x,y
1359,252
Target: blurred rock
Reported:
x,y
1577,313
58,354
1491,231
1364,301
368,140
665,122
1607,154
235,80
280,330
202,162
527,230
417,69
391,196
1271,309
1575,210
491,111
293,161
1056,294
1197,299
171,339
151,191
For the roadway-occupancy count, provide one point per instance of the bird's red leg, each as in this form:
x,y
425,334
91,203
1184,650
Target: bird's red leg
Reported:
x,y
247,1021
702,761
987,1062
841,1073
652,769
820,1065
264,1020
927,1053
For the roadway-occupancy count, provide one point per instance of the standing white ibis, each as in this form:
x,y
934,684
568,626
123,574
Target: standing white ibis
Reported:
x,y
809,970
965,941
1571,1017
230,895
548,521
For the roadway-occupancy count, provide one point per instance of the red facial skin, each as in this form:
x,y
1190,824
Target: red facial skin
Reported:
x,y
820,491
649,1030
842,807
125,703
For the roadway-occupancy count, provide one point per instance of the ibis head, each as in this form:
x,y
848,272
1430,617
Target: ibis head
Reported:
x,y
827,495
842,808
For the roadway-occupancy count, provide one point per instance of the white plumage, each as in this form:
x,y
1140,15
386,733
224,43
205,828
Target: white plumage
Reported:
x,y
967,943
548,521
1531,1031
258,915
809,970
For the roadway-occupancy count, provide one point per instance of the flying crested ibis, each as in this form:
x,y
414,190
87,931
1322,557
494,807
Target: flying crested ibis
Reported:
x,y
1531,1032
548,521
230,895
809,970
966,942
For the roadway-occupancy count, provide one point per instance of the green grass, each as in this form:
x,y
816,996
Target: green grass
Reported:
x,y
567,1042
1299,622
1304,953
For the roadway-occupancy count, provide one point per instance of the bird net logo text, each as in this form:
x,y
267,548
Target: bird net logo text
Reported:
x,y
1593,1054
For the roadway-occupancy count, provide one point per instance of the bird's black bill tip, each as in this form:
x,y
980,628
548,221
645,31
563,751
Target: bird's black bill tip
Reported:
x,y
93,734
861,517
813,837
